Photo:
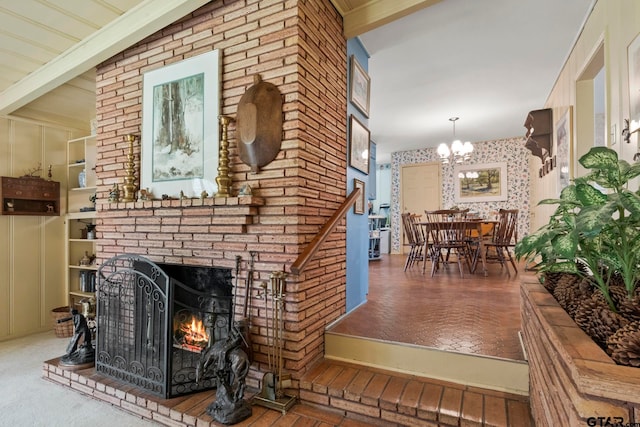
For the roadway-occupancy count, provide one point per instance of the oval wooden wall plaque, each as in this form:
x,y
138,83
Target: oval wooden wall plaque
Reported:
x,y
259,124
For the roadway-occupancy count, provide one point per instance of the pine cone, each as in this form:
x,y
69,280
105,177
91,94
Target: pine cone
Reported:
x,y
628,308
550,280
624,345
569,292
586,287
582,268
596,319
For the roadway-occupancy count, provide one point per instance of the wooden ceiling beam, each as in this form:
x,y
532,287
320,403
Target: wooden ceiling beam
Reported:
x,y
141,21
374,13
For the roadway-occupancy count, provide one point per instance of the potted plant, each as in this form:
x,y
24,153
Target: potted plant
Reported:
x,y
589,251
588,256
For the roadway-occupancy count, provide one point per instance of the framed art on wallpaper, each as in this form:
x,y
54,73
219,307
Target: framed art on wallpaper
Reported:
x,y
180,135
486,182
359,145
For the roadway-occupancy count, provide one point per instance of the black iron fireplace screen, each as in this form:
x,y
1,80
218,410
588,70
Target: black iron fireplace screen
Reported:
x,y
154,320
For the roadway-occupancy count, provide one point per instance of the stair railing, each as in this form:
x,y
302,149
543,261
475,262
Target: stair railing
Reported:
x,y
301,262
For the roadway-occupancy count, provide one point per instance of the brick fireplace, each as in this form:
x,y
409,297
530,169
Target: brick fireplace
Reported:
x,y
299,47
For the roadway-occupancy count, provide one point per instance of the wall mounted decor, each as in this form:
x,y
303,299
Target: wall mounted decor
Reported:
x,y
180,109
259,124
563,128
358,207
633,53
360,87
359,145
29,195
485,182
539,133
626,133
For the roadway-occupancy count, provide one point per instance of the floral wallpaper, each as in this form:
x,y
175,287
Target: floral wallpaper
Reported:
x,y
512,151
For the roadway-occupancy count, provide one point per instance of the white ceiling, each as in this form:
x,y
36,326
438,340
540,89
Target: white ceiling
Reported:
x,y
34,33
488,62
49,48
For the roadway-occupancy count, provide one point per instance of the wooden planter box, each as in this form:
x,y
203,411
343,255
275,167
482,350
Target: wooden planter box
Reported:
x,y
572,381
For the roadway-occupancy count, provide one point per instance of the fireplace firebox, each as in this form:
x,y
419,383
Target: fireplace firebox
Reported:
x,y
155,320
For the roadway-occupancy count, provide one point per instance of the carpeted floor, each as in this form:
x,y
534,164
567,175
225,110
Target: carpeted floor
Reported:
x,y
29,400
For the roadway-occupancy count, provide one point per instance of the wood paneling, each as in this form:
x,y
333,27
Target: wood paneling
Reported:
x,y
31,248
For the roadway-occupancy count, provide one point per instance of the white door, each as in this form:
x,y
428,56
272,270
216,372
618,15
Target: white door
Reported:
x,y
420,189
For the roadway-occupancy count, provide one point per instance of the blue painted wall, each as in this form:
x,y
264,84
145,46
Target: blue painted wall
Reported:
x,y
357,225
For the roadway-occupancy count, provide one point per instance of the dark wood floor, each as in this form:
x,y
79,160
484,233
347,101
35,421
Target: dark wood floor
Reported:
x,y
475,314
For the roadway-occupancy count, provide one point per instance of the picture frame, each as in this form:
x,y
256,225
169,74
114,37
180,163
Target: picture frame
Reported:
x,y
488,184
633,61
564,140
360,87
180,127
358,206
359,145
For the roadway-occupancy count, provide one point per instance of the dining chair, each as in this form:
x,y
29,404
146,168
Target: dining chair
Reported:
x,y
448,232
414,237
505,236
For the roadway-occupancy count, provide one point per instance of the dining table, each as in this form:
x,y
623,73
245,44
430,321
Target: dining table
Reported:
x,y
475,232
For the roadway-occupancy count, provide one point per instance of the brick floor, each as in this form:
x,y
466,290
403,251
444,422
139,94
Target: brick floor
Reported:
x,y
385,398
472,315
355,396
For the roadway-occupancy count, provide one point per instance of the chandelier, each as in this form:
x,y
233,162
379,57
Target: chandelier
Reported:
x,y
459,151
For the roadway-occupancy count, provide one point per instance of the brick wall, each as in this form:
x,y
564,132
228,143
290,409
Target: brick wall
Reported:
x,y
299,47
572,381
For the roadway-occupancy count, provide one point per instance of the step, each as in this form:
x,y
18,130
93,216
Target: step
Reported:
x,y
331,393
182,411
381,397
511,376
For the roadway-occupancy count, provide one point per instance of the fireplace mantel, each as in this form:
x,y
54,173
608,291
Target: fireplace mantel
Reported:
x,y
250,201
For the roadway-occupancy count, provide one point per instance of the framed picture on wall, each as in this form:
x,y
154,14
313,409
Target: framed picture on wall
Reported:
x,y
358,207
179,151
359,145
563,136
633,59
360,83
485,182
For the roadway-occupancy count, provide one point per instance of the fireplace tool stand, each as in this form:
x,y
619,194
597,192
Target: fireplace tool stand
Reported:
x,y
274,381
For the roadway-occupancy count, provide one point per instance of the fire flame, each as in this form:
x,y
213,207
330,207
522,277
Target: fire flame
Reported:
x,y
194,333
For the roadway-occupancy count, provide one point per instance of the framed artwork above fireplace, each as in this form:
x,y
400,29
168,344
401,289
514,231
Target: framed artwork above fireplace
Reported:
x,y
180,135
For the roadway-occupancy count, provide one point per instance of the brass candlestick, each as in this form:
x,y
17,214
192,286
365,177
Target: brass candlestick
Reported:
x,y
224,179
129,188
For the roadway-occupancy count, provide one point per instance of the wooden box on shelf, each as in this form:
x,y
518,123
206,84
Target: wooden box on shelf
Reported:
x,y
29,196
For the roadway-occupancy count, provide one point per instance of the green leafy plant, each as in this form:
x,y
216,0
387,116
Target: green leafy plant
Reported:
x,y
596,225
